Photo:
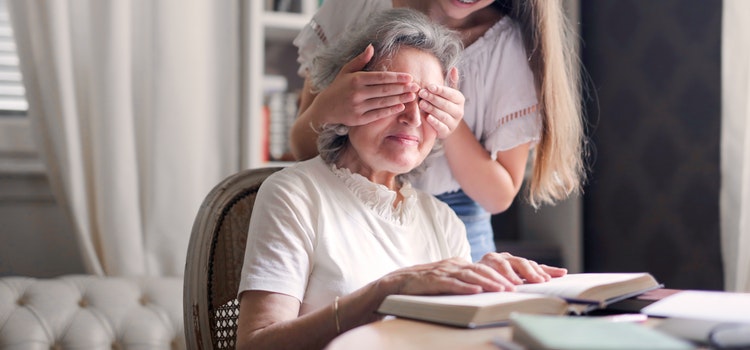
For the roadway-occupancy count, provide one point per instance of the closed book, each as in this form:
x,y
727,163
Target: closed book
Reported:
x,y
637,303
703,316
540,332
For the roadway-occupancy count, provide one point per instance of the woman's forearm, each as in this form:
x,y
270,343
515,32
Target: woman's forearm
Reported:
x,y
273,326
311,331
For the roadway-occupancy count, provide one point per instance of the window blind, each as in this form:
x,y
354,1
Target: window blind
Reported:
x,y
12,93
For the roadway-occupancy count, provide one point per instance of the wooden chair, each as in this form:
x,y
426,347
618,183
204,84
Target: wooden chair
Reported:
x,y
214,261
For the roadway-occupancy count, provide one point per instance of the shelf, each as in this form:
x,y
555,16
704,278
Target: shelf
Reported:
x,y
268,50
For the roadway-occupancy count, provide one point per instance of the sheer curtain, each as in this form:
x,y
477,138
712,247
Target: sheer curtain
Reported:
x,y
135,107
735,145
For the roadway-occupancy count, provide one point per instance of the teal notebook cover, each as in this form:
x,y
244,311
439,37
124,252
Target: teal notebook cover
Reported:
x,y
582,333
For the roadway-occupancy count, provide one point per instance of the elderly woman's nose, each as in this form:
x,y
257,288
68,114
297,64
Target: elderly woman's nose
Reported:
x,y
411,115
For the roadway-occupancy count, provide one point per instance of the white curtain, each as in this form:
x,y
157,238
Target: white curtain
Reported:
x,y
135,108
735,145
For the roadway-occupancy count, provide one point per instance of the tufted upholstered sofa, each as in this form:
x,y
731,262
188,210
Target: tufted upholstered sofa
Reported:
x,y
91,312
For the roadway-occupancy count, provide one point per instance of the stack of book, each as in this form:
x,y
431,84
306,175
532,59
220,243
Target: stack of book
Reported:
x,y
280,112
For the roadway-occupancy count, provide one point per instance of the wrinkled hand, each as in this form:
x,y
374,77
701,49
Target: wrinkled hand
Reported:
x,y
518,270
357,97
444,104
450,276
495,272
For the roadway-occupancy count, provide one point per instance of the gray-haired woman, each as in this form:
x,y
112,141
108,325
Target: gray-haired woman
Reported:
x,y
331,237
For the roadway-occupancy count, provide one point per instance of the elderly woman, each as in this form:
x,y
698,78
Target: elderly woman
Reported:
x,y
331,237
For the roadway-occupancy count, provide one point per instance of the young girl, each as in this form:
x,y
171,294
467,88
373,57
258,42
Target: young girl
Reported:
x,y
518,91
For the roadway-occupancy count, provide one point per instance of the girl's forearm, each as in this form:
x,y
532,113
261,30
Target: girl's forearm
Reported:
x,y
483,179
303,140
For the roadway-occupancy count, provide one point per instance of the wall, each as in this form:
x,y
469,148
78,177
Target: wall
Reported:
x,y
652,202
37,237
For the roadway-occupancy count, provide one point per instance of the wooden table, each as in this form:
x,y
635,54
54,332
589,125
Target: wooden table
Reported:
x,y
408,334
403,334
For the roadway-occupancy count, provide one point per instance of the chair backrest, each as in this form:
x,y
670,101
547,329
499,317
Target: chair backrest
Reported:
x,y
214,260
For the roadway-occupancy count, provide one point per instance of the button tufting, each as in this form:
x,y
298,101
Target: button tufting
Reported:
x,y
100,307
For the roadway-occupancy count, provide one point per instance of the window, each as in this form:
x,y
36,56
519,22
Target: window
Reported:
x,y
12,99
17,151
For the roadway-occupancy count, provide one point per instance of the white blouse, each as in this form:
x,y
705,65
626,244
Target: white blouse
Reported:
x,y
495,78
317,232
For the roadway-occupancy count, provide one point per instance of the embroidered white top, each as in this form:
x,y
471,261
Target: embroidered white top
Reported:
x,y
495,78
318,232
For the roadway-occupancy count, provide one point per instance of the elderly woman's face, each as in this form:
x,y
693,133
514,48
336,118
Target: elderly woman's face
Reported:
x,y
399,144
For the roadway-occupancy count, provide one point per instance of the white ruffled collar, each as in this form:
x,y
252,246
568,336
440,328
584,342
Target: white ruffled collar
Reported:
x,y
378,197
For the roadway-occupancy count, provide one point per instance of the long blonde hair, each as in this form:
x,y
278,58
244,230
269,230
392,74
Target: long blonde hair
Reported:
x,y
558,160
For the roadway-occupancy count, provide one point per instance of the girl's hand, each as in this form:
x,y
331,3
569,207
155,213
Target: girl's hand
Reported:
x,y
356,97
519,270
445,105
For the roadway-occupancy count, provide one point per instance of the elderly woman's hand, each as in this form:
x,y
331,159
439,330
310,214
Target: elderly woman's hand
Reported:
x,y
495,272
444,104
450,276
519,270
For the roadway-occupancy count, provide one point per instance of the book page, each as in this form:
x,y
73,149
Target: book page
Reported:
x,y
571,286
478,300
471,310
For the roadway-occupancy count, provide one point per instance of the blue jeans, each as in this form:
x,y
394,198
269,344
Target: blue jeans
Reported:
x,y
477,220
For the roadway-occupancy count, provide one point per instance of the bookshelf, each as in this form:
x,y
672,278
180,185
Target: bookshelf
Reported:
x,y
271,59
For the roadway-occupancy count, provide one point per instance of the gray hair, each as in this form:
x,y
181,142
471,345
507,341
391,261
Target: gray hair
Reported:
x,y
387,31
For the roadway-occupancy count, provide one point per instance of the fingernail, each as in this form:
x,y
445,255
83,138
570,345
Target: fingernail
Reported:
x,y
423,93
433,87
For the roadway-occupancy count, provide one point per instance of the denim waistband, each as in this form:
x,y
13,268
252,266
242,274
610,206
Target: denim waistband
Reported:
x,y
466,208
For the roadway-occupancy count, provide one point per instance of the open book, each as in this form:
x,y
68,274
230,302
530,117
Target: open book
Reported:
x,y
572,293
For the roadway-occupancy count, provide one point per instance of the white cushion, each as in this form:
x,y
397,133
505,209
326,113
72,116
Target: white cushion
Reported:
x,y
91,312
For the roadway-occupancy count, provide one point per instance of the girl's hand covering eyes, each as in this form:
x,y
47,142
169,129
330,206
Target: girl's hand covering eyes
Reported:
x,y
357,97
444,104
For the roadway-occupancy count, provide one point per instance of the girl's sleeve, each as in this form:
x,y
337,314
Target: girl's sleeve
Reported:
x,y
513,117
327,24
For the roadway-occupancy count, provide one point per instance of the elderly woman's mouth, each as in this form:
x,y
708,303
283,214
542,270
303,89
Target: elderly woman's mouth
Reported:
x,y
405,139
